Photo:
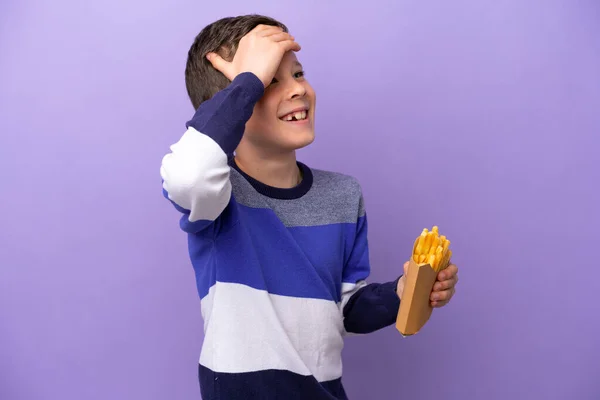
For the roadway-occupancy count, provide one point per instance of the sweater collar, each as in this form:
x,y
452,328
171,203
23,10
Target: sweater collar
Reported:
x,y
279,193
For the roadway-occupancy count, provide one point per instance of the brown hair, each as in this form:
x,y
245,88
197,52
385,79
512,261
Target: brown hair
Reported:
x,y
202,81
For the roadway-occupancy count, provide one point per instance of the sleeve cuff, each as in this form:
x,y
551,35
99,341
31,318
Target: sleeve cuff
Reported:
x,y
396,283
389,296
252,87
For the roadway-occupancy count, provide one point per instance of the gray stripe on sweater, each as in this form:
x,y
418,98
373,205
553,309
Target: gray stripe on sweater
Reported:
x,y
333,198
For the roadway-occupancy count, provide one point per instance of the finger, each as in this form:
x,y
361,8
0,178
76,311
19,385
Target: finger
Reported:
x,y
406,267
438,304
269,30
447,284
445,299
290,45
437,296
262,28
280,37
447,273
219,63
443,295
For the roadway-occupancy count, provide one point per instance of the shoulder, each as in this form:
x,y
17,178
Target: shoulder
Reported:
x,y
337,181
343,191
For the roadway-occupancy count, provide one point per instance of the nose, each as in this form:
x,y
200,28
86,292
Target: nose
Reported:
x,y
297,89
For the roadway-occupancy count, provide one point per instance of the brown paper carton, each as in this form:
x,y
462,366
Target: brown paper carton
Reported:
x,y
415,304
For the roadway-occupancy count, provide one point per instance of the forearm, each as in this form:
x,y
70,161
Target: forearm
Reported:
x,y
223,117
371,307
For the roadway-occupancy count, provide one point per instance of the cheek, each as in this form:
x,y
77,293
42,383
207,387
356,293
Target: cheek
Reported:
x,y
311,94
256,117
261,120
266,111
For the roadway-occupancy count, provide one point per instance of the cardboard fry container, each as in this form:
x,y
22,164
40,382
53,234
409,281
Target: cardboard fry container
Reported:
x,y
415,305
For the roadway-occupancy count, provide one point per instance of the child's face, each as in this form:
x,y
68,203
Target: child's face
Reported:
x,y
283,119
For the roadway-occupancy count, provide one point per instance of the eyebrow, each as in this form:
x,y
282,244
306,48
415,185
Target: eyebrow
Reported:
x,y
297,64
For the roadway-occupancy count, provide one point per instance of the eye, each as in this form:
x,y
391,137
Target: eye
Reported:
x,y
299,74
273,81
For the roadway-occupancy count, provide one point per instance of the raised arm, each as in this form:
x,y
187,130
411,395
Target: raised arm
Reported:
x,y
196,172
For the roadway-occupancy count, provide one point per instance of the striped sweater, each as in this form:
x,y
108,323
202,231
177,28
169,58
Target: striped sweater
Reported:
x,y
281,273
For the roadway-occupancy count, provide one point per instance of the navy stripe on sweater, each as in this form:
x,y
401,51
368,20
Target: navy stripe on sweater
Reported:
x,y
282,385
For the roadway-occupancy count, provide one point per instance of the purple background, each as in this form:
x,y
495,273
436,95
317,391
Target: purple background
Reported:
x,y
480,116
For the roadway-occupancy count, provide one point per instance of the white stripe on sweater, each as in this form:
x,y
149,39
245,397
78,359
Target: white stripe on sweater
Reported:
x,y
250,330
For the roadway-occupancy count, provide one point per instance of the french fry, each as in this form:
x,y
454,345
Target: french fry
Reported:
x,y
434,245
439,254
431,260
445,259
446,245
425,245
432,248
421,242
448,257
428,243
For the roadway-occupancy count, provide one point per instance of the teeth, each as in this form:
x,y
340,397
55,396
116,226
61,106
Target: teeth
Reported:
x,y
300,115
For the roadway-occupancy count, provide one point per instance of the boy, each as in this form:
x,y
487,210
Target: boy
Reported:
x,y
279,250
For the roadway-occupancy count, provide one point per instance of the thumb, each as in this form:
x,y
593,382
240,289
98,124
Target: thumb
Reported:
x,y
220,64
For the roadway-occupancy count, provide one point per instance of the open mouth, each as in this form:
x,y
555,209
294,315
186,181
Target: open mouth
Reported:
x,y
295,116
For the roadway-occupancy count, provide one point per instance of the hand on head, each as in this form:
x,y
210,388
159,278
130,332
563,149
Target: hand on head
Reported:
x,y
259,52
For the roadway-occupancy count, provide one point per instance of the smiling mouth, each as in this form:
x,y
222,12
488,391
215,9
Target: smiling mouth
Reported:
x,y
295,116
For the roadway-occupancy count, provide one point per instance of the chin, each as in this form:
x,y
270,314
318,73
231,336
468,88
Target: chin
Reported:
x,y
300,141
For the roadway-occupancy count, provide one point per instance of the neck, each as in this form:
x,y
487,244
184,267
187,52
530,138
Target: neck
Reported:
x,y
278,171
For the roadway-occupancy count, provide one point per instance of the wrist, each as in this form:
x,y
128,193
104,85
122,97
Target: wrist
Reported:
x,y
257,75
251,84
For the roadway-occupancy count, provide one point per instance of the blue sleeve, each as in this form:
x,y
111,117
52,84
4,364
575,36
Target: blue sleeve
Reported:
x,y
223,117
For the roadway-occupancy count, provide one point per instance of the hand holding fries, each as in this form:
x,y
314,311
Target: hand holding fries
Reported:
x,y
429,281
